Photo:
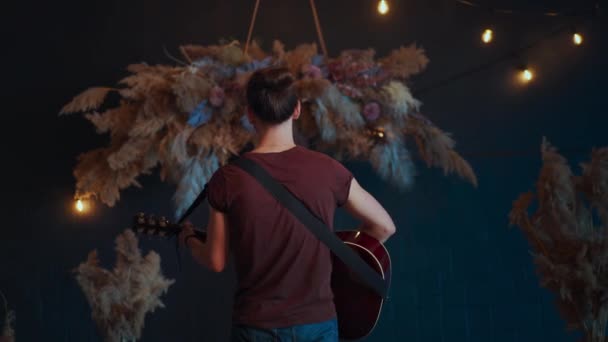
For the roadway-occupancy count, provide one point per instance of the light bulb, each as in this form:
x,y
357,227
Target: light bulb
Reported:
x,y
383,7
527,75
577,38
487,36
79,206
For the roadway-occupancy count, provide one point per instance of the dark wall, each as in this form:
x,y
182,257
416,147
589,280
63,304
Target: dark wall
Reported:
x,y
460,273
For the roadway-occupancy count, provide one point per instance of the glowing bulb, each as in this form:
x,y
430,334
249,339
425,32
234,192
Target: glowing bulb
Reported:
x,y
79,206
382,7
487,36
527,75
577,38
381,134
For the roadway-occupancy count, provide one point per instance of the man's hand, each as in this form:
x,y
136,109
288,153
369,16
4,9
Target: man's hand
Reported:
x,y
212,253
187,230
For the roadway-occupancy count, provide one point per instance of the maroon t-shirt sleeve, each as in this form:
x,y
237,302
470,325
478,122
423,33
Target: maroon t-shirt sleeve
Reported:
x,y
217,193
342,186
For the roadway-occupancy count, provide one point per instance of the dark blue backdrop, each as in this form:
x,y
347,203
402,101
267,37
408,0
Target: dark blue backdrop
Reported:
x,y
461,274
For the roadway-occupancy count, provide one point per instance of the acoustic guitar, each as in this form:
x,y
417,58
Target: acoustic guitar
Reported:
x,y
358,307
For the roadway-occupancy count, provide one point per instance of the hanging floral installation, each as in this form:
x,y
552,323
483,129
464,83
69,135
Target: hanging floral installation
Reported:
x,y
8,333
121,298
569,237
190,119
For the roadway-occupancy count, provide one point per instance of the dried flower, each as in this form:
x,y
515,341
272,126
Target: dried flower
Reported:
x,y
189,118
89,99
216,96
570,243
349,90
200,115
247,124
8,333
311,71
371,111
121,298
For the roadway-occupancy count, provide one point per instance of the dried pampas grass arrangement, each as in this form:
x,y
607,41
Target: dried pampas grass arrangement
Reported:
x,y
121,298
569,237
190,119
8,333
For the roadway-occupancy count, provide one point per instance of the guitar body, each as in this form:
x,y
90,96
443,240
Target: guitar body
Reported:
x,y
358,306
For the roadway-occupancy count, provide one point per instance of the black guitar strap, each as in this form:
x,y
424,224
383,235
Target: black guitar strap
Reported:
x,y
197,201
315,225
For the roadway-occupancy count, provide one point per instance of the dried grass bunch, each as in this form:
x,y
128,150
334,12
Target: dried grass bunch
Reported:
x,y
121,298
569,237
191,119
8,332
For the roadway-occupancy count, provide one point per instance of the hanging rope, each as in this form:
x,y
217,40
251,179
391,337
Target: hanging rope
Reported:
x,y
255,14
314,14
318,25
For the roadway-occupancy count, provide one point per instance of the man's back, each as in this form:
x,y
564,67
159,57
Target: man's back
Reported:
x,y
283,270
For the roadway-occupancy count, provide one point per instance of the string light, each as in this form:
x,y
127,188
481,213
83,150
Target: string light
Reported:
x,y
526,75
81,206
377,133
383,7
577,38
487,36
546,12
522,75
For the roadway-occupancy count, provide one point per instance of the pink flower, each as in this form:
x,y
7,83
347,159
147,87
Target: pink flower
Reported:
x,y
312,71
336,71
216,97
371,111
349,90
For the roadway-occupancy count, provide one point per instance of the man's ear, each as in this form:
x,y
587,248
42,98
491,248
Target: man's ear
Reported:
x,y
297,111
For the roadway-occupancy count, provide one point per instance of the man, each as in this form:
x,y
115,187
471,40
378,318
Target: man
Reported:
x,y
283,271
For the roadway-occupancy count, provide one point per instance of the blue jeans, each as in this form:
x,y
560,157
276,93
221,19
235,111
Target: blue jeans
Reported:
x,y
316,332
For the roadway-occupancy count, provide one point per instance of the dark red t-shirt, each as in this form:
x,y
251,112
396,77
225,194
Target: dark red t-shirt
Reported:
x,y
283,270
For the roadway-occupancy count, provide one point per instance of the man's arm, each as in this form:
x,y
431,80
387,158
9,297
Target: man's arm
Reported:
x,y
363,206
213,253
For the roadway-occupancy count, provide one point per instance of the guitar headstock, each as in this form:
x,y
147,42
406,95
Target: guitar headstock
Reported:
x,y
151,225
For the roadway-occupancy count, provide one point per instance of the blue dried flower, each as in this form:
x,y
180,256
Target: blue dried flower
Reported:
x,y
254,65
246,123
201,115
317,60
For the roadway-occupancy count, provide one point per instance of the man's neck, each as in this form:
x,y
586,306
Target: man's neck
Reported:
x,y
276,138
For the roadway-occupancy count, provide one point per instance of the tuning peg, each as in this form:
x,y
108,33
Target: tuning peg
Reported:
x,y
141,218
163,222
151,220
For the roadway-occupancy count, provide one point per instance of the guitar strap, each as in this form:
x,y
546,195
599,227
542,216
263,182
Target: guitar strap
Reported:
x,y
197,201
316,226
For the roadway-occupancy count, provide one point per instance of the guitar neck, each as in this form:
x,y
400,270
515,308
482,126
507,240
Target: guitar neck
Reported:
x,y
148,225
